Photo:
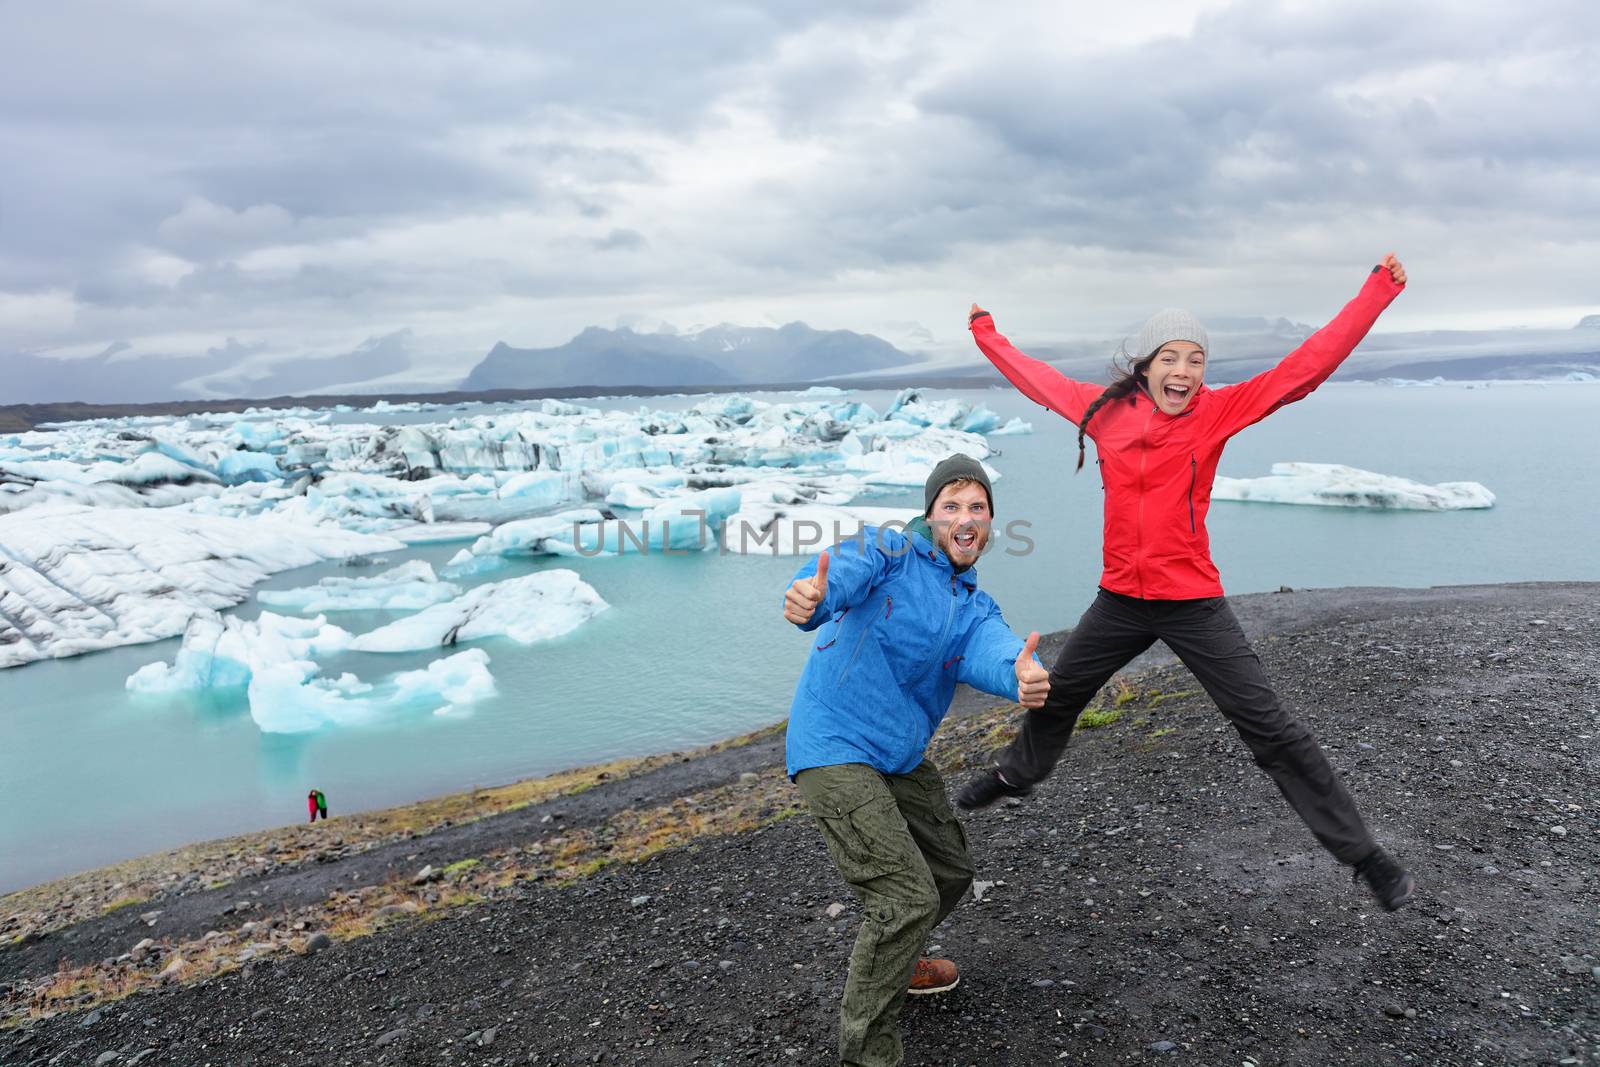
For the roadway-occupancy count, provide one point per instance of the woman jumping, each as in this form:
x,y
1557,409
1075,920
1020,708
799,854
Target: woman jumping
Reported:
x,y
1159,434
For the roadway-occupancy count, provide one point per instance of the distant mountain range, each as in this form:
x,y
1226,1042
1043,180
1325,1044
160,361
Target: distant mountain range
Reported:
x,y
718,355
731,356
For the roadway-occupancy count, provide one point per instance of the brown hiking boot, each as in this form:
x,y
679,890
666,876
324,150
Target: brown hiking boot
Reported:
x,y
933,976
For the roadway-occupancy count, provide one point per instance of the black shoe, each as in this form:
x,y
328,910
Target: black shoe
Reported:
x,y
1391,883
987,788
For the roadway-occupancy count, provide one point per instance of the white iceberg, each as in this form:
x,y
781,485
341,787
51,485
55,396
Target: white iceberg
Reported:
x,y
75,579
803,529
226,652
273,659
535,607
1017,425
1336,485
409,587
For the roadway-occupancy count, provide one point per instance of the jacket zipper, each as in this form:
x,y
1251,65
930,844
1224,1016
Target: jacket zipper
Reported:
x,y
944,635
1138,550
1192,472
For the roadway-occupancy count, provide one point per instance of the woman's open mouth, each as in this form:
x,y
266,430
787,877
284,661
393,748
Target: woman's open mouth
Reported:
x,y
1176,394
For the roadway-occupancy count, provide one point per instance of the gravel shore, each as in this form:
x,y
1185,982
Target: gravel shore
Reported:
x,y
1154,899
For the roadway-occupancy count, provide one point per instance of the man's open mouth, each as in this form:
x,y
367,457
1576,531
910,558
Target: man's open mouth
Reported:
x,y
966,540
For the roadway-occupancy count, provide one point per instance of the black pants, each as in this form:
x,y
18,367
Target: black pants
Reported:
x,y
1206,636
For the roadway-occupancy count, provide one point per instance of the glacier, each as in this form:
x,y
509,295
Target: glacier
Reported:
x,y
117,531
1336,485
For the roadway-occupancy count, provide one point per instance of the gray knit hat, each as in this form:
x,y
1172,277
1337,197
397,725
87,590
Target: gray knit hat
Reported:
x,y
959,465
1170,325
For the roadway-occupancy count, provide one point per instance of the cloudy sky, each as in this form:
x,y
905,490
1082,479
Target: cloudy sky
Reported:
x,y
249,184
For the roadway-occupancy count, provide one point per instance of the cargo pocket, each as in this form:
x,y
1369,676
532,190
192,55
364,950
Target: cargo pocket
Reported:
x,y
862,827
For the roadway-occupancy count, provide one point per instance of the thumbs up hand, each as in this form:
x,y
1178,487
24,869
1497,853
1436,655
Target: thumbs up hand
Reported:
x,y
802,598
1033,681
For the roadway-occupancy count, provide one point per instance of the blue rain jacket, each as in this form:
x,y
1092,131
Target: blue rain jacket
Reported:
x,y
897,629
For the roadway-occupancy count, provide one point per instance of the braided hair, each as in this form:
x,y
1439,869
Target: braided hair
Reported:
x,y
1127,378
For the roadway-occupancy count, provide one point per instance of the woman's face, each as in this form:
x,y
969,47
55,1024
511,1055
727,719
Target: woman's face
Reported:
x,y
1175,375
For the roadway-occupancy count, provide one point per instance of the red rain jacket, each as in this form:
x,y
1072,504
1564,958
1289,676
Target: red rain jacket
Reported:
x,y
1157,469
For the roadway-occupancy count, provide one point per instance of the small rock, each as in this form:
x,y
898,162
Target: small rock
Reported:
x,y
1570,964
149,918
980,888
107,1057
487,1037
1013,802
426,875
833,911
1394,1011
317,942
390,1038
94,1016
1491,869
749,776
173,968
139,1056
1369,748
259,1014
640,901
1043,983
1411,1013
1163,1046
725,966
1559,831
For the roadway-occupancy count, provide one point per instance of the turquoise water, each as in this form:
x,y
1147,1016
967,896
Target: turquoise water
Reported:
x,y
694,649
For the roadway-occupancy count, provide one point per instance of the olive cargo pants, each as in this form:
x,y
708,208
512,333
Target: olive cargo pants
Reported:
x,y
899,846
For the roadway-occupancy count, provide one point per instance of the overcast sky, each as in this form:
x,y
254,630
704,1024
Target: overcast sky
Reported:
x,y
309,179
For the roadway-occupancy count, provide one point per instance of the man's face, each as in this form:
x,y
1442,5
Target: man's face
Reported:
x,y
960,521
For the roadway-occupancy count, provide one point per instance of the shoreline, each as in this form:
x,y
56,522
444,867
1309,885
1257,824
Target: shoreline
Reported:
x,y
1262,615
681,890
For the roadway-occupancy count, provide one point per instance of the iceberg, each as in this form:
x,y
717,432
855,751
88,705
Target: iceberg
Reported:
x,y
409,587
1336,485
536,607
76,579
227,652
1016,426
804,529
273,659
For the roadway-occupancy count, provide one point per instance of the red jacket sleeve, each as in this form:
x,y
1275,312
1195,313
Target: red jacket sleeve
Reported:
x,y
1034,378
1308,366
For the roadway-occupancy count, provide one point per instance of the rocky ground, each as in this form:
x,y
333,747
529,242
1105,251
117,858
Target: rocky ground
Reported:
x,y
1154,899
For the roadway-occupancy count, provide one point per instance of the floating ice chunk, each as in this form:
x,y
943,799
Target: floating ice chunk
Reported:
x,y
1335,485
536,607
80,579
530,537
257,435
239,467
465,565
288,698
410,586
539,489
448,683
823,390
225,653
434,533
685,524
1015,426
796,530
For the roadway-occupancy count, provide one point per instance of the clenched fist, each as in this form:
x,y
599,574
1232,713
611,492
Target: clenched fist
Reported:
x,y
1033,681
801,601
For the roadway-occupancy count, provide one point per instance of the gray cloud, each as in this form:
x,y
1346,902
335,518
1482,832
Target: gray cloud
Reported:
x,y
299,176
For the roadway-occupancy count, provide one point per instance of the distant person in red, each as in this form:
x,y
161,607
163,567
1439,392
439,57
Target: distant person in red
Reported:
x,y
316,804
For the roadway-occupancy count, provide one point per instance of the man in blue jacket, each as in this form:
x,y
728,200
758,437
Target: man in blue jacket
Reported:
x,y
899,621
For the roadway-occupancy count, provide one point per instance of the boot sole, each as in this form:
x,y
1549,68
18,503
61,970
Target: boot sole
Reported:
x,y
933,989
